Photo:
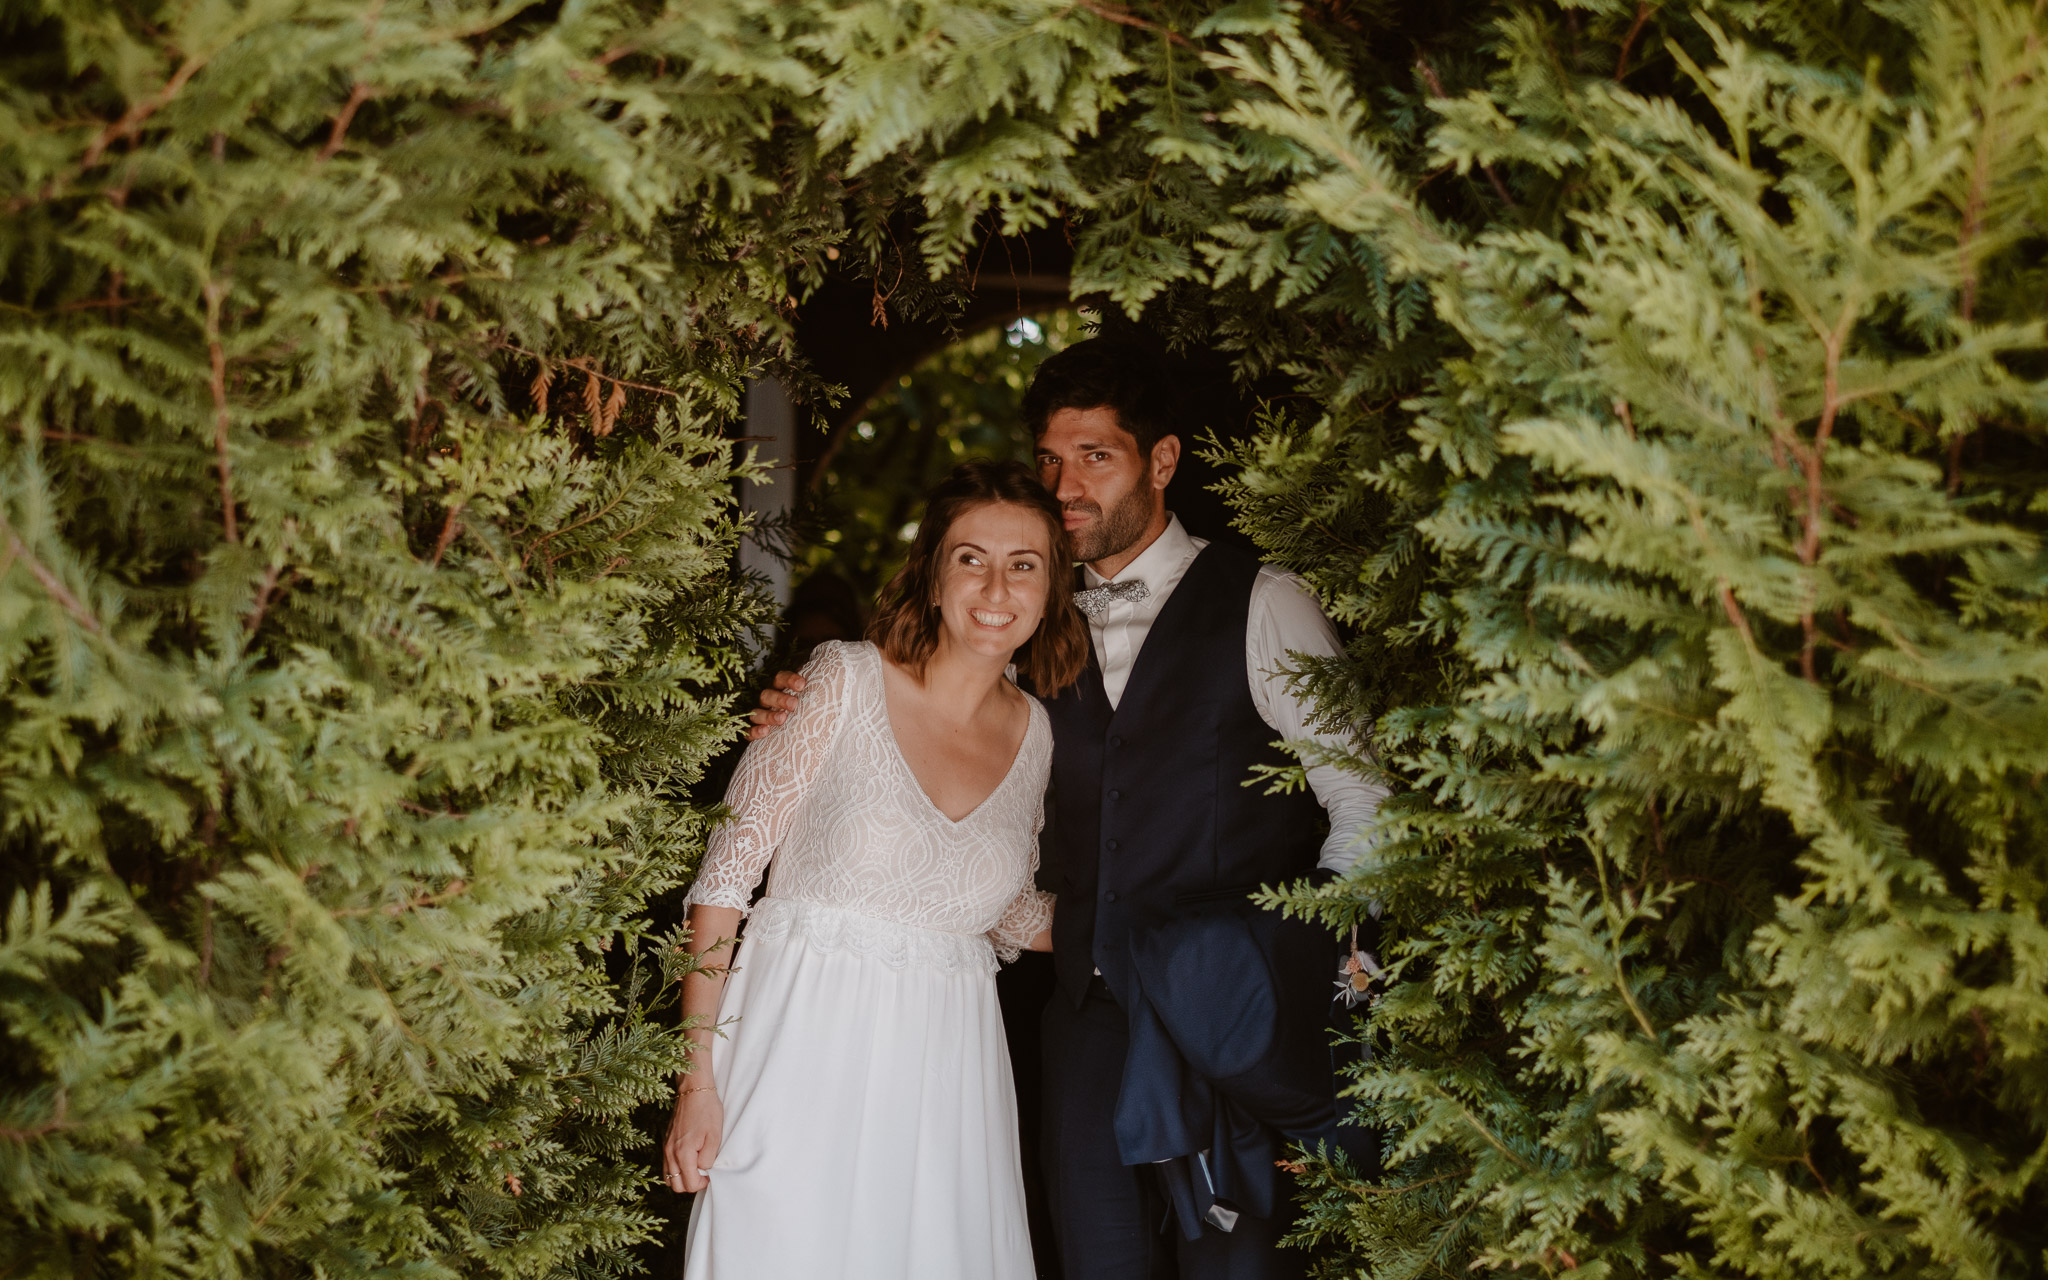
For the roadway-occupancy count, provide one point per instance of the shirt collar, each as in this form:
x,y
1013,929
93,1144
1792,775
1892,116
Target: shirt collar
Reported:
x,y
1156,563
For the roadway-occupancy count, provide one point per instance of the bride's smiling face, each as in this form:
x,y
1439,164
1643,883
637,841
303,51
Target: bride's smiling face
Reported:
x,y
994,578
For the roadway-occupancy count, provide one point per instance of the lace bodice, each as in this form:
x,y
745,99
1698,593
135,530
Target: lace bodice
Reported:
x,y
829,806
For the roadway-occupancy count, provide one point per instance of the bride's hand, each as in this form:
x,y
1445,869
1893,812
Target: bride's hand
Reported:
x,y
693,1134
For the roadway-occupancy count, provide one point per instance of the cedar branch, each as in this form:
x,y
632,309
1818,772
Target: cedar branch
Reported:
x,y
591,370
1628,42
1733,608
1813,459
1973,213
217,354
18,550
130,121
1123,17
60,1111
450,527
357,96
271,588
134,117
1436,89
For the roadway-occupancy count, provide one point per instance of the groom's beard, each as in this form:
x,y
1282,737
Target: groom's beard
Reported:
x,y
1115,532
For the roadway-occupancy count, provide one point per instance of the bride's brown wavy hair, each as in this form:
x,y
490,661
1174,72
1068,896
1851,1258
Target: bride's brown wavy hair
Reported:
x,y
906,625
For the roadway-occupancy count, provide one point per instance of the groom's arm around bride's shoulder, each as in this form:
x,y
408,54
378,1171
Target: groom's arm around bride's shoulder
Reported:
x,y
1287,624
777,701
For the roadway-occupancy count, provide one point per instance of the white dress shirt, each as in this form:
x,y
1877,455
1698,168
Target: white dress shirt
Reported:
x,y
1284,619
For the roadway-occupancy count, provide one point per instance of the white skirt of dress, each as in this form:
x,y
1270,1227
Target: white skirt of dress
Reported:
x,y
870,1117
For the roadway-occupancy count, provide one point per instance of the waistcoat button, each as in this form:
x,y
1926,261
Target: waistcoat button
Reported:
x,y
1110,896
1112,846
1116,742
1114,794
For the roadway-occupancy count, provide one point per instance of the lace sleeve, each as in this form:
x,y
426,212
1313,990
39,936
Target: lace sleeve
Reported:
x,y
774,776
1028,915
1030,912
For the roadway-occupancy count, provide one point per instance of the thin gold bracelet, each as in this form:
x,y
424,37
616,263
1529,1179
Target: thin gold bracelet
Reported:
x,y
697,1089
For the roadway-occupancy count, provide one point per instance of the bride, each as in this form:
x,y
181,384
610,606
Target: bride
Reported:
x,y
858,1120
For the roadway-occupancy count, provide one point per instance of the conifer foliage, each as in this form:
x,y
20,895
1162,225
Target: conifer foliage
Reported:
x,y
364,610
1669,395
1715,903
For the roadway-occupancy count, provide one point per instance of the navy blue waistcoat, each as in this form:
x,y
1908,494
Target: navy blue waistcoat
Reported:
x,y
1150,817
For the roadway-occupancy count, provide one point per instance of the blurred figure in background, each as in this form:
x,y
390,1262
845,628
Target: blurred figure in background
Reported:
x,y
824,607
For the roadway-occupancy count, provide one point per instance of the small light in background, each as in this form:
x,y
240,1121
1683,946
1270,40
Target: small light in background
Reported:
x,y
908,531
865,430
1022,330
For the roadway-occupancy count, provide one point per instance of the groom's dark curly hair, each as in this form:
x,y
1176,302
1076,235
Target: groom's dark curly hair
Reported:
x,y
1130,374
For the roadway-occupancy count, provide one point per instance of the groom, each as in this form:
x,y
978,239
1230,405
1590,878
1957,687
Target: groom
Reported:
x,y
1186,1045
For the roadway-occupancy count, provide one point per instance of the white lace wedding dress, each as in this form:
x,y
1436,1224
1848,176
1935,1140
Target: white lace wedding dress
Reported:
x,y
870,1119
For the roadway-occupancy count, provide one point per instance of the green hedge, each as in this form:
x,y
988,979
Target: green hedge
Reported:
x,y
1666,419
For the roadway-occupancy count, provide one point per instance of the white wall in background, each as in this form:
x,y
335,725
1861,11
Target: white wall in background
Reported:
x,y
771,424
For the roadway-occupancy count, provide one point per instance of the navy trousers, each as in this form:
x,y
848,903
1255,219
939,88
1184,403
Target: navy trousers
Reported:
x,y
1111,1220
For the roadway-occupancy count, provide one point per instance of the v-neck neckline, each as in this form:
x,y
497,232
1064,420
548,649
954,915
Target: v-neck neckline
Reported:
x,y
916,783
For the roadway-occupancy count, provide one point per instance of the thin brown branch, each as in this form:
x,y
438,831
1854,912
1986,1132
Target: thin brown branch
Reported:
x,y
455,889
425,812
1123,17
130,121
1973,214
18,550
209,835
1814,459
516,349
1621,987
450,528
1643,11
1733,609
134,117
74,437
1806,1158
60,1111
112,302
205,941
217,353
357,96
262,601
1360,1189
1436,90
271,589
545,538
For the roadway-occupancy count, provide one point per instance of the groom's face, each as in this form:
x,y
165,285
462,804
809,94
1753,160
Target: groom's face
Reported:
x,y
1110,491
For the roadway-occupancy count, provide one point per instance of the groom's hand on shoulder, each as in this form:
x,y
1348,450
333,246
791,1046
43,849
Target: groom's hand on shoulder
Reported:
x,y
777,701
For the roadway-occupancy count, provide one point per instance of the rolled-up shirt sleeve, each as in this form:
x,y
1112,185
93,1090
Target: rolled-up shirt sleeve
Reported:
x,y
1285,619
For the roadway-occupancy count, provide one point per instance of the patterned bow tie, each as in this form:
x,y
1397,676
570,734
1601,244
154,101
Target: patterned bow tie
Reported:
x,y
1095,600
